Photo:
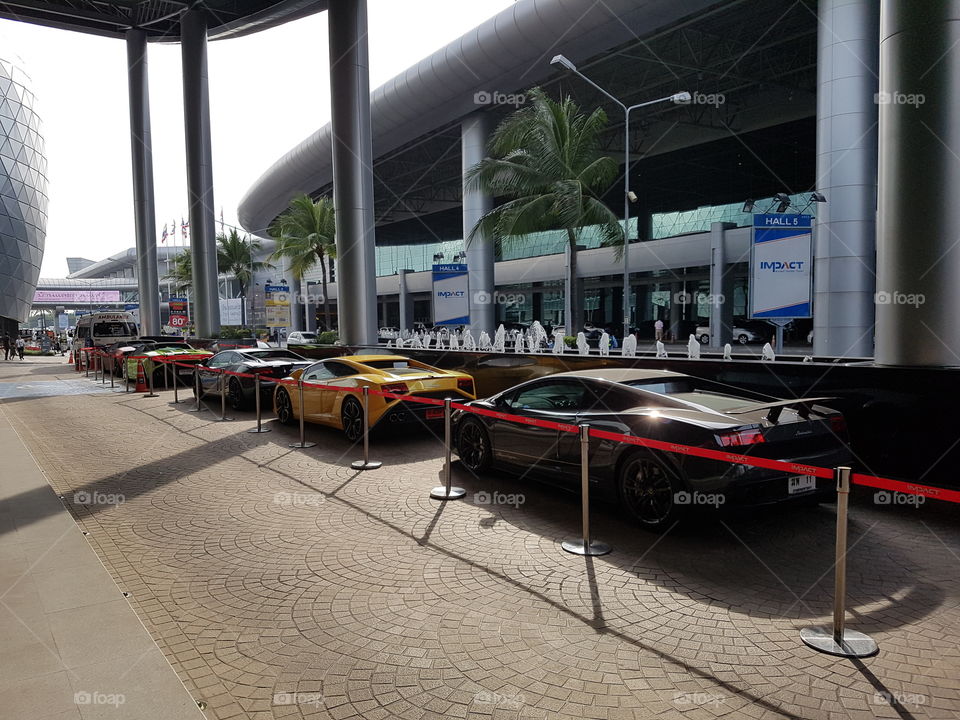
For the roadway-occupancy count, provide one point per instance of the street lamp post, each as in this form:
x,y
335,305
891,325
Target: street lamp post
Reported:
x,y
680,97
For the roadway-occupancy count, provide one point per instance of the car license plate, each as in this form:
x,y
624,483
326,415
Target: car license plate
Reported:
x,y
434,413
798,484
185,371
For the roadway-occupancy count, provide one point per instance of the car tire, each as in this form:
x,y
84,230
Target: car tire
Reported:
x,y
742,339
648,491
284,408
235,395
704,339
351,419
473,445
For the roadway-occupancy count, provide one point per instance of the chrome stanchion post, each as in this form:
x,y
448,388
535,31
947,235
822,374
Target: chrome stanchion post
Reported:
x,y
223,397
838,640
150,393
303,443
126,374
256,391
176,382
585,546
86,362
166,375
447,491
365,464
103,370
197,389
113,367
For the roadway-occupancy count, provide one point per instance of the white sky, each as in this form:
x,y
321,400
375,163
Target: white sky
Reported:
x,y
267,92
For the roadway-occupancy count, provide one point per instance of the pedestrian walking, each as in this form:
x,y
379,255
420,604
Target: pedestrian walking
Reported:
x,y
20,344
6,346
658,328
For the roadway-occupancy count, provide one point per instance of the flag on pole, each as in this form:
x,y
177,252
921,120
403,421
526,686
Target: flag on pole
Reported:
x,y
183,227
163,237
221,219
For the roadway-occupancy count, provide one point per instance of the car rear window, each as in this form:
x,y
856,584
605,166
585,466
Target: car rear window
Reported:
x,y
693,390
273,355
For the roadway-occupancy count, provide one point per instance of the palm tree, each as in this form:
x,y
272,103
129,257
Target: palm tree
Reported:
x,y
546,159
181,274
235,256
306,235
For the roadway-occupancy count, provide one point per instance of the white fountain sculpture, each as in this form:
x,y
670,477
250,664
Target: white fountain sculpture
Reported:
x,y
427,339
484,342
454,342
727,352
604,343
389,343
582,347
468,342
767,354
500,340
661,349
629,346
518,343
558,343
808,358
693,348
539,336
417,342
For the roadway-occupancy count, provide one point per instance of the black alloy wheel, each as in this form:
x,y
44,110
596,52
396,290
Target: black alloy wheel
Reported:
x,y
473,445
235,395
648,492
284,407
351,419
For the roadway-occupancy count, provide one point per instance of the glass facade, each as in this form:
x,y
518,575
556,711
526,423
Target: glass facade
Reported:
x,y
669,224
23,195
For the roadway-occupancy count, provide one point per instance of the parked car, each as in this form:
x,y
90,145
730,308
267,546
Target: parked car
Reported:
x,y
391,373
742,335
653,486
302,338
270,364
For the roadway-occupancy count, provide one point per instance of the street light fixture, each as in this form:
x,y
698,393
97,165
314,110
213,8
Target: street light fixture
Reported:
x,y
628,196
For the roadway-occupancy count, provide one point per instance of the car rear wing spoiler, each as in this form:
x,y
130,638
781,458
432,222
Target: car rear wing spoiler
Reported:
x,y
803,406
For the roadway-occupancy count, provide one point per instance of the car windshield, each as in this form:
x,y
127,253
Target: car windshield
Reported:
x,y
398,366
692,390
114,329
273,355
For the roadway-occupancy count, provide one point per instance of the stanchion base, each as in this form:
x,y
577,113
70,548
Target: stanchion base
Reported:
x,y
577,547
148,395
370,465
302,445
440,493
258,430
224,419
855,644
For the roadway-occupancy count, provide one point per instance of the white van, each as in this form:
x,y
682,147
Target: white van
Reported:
x,y
104,328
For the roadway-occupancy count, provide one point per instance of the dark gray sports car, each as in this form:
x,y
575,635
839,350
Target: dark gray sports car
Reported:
x,y
657,487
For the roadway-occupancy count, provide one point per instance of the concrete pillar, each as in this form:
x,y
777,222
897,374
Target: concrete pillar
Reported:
x,y
406,301
141,153
474,132
352,171
918,261
196,119
845,233
721,287
677,299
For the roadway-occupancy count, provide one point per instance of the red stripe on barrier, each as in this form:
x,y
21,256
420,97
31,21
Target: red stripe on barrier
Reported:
x,y
906,487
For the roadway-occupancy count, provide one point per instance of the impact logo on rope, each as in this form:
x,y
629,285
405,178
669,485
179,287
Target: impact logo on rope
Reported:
x,y
778,266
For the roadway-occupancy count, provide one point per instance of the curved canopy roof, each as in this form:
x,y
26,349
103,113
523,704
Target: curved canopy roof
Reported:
x,y
507,53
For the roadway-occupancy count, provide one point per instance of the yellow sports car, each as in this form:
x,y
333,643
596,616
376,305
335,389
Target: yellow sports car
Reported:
x,y
390,373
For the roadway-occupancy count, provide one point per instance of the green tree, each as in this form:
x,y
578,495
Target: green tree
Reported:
x,y
181,273
545,158
235,256
306,235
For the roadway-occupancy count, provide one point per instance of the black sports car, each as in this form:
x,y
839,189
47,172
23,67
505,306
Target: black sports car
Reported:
x,y
270,364
657,487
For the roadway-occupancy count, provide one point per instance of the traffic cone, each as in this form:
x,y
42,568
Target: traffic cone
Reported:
x,y
70,359
141,378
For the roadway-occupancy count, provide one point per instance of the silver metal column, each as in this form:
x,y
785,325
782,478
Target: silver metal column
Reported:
x,y
845,233
721,287
918,260
196,120
406,301
141,154
352,171
676,308
474,132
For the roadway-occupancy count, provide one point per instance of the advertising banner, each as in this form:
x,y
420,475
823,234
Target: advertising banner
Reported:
x,y
76,296
451,298
781,267
178,312
231,311
277,303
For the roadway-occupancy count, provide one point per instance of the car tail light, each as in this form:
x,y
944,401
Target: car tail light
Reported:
x,y
838,424
399,388
741,437
465,385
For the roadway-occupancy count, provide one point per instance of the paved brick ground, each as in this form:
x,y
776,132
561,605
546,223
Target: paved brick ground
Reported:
x,y
282,584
